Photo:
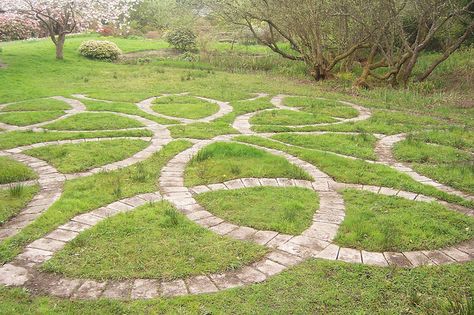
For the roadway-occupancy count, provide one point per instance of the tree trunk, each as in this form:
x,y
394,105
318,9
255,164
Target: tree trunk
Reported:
x,y
60,46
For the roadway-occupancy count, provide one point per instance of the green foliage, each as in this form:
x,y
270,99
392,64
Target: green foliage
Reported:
x,y
100,49
182,38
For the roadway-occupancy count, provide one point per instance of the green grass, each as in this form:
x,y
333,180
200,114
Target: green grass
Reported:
x,y
357,171
123,107
220,162
387,223
94,121
13,171
384,122
222,125
89,193
12,203
361,146
20,138
38,105
322,107
184,107
285,210
286,117
447,165
313,287
154,241
73,158
28,118
460,138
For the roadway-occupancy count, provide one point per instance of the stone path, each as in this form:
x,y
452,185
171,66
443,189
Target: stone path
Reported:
x,y
284,250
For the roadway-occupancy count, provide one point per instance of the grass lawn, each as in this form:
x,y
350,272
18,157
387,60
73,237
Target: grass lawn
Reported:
x,y
445,164
361,146
184,107
385,223
20,138
123,107
220,162
28,118
322,107
356,171
154,241
315,286
73,158
48,104
86,194
286,117
95,121
13,200
286,210
13,171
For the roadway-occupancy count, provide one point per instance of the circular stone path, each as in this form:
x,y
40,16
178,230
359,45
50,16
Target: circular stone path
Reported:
x,y
284,250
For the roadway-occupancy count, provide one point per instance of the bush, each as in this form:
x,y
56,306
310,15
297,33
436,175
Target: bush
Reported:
x,y
16,27
182,39
100,49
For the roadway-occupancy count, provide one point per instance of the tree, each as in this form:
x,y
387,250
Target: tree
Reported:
x,y
319,32
62,17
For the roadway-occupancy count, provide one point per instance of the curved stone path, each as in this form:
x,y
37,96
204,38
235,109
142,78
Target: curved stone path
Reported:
x,y
284,250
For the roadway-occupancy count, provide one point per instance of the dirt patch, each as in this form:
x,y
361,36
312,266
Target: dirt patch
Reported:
x,y
3,65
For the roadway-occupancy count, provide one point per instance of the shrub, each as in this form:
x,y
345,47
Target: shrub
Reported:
x,y
182,39
17,27
100,49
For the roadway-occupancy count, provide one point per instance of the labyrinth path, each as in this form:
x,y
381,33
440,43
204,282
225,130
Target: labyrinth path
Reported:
x,y
284,250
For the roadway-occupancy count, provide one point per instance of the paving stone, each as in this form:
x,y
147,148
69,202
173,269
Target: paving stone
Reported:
x,y
272,182
242,233
35,255
64,287
47,244
397,259
224,228
438,257
251,182
89,290
105,212
174,288
11,275
374,259
322,231
209,221
456,254
117,290
388,191
215,187
263,237
417,258
328,217
87,218
321,186
284,258
285,182
303,183
120,206
467,247
269,267
226,280
330,252
279,240
234,184
135,201
145,289
201,284
299,250
200,189
250,275
194,216
349,255
424,198
407,195
75,226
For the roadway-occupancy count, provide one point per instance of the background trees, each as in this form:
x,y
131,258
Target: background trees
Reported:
x,y
62,17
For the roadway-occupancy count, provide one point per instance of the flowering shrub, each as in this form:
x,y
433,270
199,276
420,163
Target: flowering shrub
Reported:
x,y
16,27
100,49
182,39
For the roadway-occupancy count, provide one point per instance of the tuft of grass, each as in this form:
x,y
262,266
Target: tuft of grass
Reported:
x,y
386,223
16,190
73,158
184,107
95,121
13,201
150,242
28,118
13,171
218,162
285,210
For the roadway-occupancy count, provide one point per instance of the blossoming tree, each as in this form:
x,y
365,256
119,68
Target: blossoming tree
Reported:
x,y
62,17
